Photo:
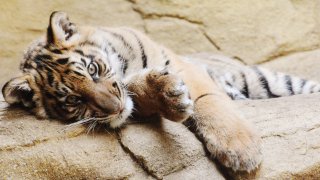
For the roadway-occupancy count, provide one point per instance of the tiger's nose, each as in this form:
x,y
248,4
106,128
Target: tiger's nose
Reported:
x,y
105,97
109,105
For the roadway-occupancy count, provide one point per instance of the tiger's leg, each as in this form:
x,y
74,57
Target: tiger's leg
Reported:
x,y
159,92
224,132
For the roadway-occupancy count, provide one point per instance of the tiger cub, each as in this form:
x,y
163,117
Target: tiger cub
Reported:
x,y
104,75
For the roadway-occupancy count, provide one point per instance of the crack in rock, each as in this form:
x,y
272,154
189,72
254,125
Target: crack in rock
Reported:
x,y
277,55
154,16
210,39
139,160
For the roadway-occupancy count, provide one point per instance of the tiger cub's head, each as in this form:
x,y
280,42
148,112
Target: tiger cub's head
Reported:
x,y
68,75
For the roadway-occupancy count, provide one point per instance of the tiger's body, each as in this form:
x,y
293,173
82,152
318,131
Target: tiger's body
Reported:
x,y
108,74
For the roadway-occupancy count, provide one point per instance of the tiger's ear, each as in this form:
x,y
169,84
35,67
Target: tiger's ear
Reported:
x,y
61,32
18,91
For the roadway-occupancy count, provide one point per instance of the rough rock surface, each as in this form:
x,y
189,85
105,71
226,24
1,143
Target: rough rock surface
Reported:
x,y
167,147
290,129
254,31
302,64
37,149
30,148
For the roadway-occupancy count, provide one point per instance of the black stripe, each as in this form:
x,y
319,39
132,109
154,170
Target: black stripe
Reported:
x,y
100,70
63,60
121,38
105,68
203,95
90,56
69,85
245,89
311,88
123,60
117,86
65,90
68,71
79,52
165,57
42,57
143,55
62,79
69,33
124,63
289,84
123,41
74,63
79,68
90,43
78,73
60,94
302,84
50,35
41,77
5,87
56,51
113,50
84,62
210,73
27,65
50,76
264,83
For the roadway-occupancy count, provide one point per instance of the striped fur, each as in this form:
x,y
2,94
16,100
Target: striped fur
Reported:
x,y
254,82
103,75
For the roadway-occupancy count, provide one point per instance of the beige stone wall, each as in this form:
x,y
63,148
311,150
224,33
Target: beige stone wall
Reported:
x,y
254,31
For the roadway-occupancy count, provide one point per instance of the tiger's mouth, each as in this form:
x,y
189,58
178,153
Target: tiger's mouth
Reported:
x,y
113,120
119,119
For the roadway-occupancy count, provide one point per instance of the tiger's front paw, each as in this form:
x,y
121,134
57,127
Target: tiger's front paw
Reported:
x,y
173,98
239,150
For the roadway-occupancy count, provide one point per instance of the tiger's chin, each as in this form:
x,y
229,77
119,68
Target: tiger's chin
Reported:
x,y
119,119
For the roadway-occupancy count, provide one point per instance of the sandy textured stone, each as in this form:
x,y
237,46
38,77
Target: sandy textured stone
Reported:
x,y
165,147
188,38
254,31
34,149
290,130
303,64
202,169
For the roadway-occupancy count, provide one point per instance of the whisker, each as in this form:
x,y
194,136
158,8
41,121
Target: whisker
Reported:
x,y
131,93
107,131
81,122
91,127
102,118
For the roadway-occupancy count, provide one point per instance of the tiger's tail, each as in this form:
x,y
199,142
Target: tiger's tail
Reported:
x,y
260,83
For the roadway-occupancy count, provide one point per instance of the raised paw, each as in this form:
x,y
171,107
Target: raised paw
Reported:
x,y
173,98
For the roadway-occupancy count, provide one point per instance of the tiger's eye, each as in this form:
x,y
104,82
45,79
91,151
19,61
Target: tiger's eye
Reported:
x,y
73,100
92,69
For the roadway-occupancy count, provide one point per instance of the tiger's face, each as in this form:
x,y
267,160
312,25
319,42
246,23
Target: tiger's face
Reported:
x,y
66,78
